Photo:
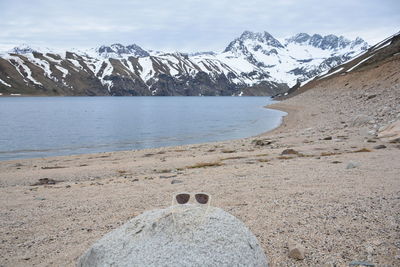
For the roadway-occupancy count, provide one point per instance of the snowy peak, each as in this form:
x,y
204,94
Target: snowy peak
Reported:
x,y
264,37
121,51
247,38
22,49
328,42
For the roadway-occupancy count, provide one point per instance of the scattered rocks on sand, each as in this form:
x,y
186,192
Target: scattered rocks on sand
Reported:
x,y
184,235
379,147
352,165
296,251
261,142
44,181
289,151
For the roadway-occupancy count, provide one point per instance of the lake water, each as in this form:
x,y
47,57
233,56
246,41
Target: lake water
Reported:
x,y
51,126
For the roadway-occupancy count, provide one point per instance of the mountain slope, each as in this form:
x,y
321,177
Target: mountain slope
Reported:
x,y
253,64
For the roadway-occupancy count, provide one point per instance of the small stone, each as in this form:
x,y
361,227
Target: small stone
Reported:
x,y
395,140
259,142
371,141
296,251
352,165
44,181
176,181
360,120
379,147
167,177
67,186
361,263
40,198
289,151
328,138
371,96
336,162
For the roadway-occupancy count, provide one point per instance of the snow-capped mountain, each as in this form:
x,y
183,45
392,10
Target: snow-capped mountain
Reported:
x,y
300,57
252,64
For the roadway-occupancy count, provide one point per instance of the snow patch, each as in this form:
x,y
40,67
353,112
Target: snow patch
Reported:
x,y
20,63
3,82
359,63
329,74
64,71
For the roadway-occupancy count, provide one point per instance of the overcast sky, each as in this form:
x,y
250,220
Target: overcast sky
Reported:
x,y
187,25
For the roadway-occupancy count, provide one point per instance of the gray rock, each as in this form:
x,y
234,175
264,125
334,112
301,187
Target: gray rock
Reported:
x,y
296,251
176,182
361,120
379,147
184,235
289,151
261,142
361,263
352,165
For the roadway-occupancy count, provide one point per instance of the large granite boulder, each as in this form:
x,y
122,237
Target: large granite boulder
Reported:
x,y
184,235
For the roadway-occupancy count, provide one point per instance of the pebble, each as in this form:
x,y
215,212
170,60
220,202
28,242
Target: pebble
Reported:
x,y
379,147
167,177
352,165
289,151
361,263
176,181
296,251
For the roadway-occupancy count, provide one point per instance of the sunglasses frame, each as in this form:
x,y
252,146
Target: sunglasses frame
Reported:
x,y
191,195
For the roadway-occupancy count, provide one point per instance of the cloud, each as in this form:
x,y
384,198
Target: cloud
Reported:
x,y
187,25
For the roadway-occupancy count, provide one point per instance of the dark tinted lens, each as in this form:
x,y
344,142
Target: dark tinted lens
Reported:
x,y
182,198
201,198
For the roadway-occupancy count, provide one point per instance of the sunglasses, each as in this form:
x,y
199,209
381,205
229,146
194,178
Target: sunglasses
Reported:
x,y
183,198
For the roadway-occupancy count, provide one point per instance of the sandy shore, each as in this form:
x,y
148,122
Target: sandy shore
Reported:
x,y
339,214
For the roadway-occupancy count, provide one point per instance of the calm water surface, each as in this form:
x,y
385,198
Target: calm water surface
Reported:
x,y
49,126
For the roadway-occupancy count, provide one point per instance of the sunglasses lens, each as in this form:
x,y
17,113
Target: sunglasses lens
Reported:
x,y
202,198
182,198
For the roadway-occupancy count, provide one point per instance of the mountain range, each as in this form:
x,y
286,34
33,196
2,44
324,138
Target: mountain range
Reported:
x,y
252,64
